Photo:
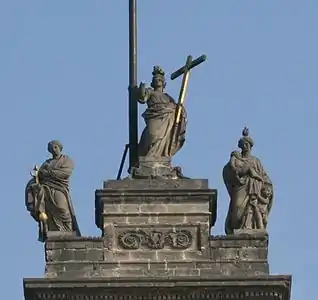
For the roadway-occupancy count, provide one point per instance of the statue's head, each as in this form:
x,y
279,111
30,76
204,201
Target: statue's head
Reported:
x,y
158,78
55,147
245,143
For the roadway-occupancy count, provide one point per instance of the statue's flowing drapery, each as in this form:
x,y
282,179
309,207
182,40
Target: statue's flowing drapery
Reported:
x,y
52,195
242,187
159,118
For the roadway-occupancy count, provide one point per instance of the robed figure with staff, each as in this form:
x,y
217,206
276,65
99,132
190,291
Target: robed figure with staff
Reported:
x,y
47,195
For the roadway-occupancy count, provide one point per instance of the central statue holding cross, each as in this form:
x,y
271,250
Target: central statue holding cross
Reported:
x,y
166,121
164,133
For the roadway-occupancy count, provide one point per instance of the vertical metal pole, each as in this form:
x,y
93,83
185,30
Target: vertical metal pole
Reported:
x,y
133,105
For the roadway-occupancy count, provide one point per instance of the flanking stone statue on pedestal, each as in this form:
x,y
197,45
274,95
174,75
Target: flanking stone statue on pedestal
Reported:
x,y
47,195
250,190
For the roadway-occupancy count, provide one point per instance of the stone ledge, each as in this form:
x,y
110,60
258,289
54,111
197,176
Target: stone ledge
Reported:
x,y
238,241
152,192
156,184
201,268
155,255
182,287
155,218
214,281
74,243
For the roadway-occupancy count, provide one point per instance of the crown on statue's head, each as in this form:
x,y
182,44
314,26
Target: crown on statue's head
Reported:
x,y
245,131
245,138
158,71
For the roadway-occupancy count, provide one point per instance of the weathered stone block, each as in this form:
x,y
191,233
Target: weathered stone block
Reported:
x,y
186,272
74,242
239,248
239,241
130,198
140,184
74,248
156,215
143,255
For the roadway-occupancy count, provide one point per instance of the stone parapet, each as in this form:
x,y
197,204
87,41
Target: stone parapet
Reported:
x,y
89,257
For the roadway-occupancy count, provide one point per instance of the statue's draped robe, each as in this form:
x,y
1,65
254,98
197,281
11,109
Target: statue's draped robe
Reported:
x,y
241,187
159,118
52,195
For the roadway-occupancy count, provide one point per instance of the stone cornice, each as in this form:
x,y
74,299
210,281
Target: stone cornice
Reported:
x,y
152,192
269,287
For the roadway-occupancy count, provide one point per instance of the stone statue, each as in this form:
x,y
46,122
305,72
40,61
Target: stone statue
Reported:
x,y
249,187
159,139
47,194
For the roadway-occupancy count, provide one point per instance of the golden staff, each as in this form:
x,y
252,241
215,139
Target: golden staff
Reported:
x,y
35,174
183,89
182,94
185,70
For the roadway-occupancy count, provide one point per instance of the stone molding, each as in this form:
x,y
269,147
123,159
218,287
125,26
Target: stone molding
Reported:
x,y
165,295
258,288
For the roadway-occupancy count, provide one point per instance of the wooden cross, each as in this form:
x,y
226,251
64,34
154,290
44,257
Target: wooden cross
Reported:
x,y
185,70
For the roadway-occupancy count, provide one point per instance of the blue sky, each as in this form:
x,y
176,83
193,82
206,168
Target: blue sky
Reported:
x,y
64,75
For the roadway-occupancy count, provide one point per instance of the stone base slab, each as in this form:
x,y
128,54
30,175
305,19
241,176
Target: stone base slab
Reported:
x,y
132,184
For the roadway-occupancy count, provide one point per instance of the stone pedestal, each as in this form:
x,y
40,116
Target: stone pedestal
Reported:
x,y
153,167
156,245
157,220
